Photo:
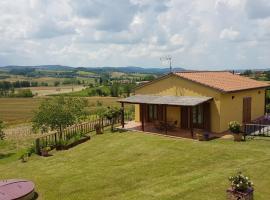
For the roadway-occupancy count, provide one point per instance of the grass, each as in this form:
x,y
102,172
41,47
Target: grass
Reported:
x,y
20,110
140,166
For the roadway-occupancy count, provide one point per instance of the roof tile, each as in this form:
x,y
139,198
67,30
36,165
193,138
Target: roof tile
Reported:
x,y
222,80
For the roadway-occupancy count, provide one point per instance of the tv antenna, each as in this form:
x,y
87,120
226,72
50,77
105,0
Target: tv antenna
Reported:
x,y
169,59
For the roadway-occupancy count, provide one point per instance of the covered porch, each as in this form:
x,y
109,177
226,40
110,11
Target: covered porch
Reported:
x,y
170,115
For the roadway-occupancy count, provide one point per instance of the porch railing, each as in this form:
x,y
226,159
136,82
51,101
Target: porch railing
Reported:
x,y
256,130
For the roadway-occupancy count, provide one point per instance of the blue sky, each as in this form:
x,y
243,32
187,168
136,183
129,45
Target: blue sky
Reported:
x,y
208,34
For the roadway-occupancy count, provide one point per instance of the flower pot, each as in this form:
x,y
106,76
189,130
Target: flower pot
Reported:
x,y
235,195
44,153
238,137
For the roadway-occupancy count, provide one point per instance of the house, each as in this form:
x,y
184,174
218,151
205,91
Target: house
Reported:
x,y
206,100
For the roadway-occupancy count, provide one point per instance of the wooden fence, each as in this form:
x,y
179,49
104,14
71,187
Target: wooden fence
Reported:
x,y
52,138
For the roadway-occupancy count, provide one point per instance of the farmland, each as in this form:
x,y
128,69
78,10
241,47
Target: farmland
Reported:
x,y
44,91
20,110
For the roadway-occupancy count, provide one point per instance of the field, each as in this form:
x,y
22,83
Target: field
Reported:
x,y
44,91
132,165
20,110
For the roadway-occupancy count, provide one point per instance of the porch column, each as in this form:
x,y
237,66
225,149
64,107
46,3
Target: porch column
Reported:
x,y
142,115
165,113
122,115
191,120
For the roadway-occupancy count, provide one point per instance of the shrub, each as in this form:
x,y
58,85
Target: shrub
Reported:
x,y
24,93
31,150
24,157
46,148
2,134
240,182
234,127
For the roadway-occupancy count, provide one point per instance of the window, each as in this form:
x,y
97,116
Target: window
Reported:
x,y
152,112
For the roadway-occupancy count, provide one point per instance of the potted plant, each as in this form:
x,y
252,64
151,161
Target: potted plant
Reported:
x,y
241,188
98,129
45,151
235,128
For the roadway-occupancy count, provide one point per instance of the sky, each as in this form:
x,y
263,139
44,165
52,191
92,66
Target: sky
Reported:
x,y
208,34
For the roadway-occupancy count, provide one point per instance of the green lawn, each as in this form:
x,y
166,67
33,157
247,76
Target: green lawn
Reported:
x,y
133,166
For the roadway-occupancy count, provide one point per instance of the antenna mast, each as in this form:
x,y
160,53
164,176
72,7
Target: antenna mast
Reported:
x,y
169,59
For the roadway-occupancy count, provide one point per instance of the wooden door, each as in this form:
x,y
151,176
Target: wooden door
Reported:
x,y
246,109
160,112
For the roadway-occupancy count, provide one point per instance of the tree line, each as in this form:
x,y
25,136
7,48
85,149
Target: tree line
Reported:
x,y
7,88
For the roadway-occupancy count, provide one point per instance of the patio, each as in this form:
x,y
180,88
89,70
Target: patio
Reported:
x,y
150,128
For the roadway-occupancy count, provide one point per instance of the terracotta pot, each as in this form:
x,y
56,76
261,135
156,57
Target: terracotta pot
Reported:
x,y
44,153
238,137
236,195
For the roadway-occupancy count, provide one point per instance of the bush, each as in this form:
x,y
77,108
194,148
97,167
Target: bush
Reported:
x,y
234,127
24,93
240,182
2,134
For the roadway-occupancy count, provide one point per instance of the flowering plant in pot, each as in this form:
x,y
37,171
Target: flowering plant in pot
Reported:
x,y
235,128
241,187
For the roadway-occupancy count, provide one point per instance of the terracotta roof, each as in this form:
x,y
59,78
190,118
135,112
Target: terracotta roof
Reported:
x,y
222,80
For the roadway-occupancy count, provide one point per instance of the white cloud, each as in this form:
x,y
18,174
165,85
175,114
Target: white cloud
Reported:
x,y
229,34
206,34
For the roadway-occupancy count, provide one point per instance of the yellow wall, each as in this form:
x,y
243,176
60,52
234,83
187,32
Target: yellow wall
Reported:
x,y
137,113
232,109
223,108
173,114
176,86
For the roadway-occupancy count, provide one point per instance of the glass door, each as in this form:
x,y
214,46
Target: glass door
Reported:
x,y
198,116
152,112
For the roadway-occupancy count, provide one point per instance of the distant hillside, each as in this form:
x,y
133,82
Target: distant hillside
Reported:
x,y
129,69
39,67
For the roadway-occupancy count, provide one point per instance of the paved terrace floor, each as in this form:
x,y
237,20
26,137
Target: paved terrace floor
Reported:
x,y
149,128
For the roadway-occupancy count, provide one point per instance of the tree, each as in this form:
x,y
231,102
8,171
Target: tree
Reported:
x,y
149,78
128,88
247,72
2,134
112,114
114,90
57,113
56,83
24,93
267,75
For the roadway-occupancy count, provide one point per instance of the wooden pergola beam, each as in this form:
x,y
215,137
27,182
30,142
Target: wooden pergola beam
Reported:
x,y
122,115
142,115
166,127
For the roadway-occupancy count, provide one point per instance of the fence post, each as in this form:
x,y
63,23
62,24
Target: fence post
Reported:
x,y
102,124
55,139
38,146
